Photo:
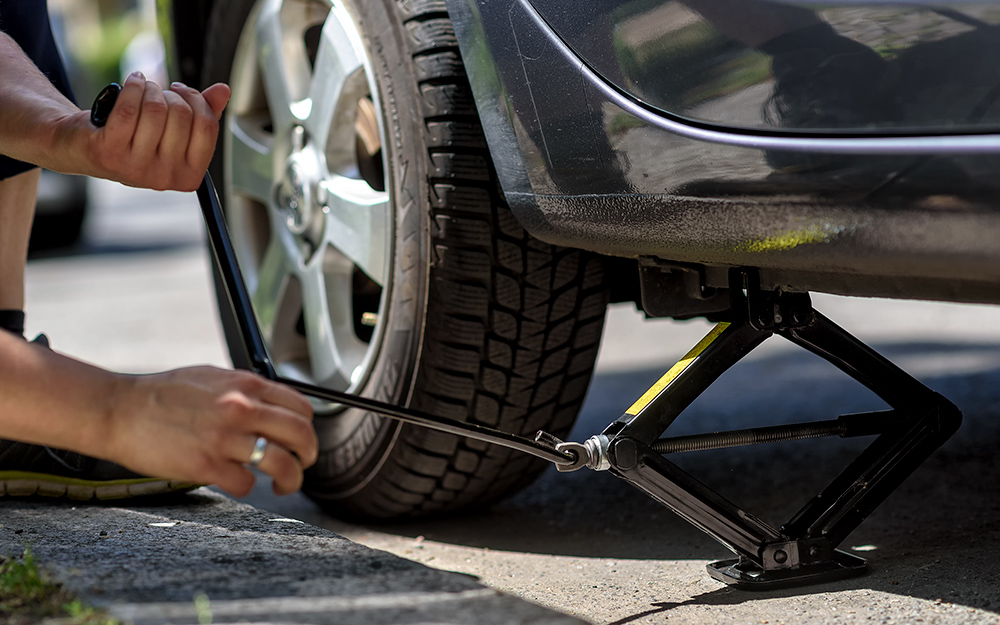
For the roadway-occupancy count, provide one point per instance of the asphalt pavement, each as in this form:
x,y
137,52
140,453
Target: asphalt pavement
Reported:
x,y
204,558
589,545
137,297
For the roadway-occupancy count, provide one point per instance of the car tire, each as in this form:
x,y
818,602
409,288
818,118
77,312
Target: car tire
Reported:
x,y
474,320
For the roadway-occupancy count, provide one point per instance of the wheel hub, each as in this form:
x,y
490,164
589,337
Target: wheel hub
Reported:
x,y
294,198
296,194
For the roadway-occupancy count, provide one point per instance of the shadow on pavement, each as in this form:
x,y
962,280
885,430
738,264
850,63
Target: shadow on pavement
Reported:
x,y
934,538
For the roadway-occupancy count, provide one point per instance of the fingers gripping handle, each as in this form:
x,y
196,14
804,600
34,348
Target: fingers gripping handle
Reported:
x,y
221,246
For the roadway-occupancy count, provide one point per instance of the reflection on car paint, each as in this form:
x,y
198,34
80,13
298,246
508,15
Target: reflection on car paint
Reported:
x,y
855,66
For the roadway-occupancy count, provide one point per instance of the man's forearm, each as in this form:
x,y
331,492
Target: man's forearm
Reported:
x,y
30,111
48,399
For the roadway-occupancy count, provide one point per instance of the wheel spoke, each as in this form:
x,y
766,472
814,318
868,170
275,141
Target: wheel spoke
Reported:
x,y
268,290
251,162
338,83
334,350
357,224
283,64
294,128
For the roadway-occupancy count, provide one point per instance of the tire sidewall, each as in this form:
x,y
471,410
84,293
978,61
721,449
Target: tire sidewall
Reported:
x,y
353,445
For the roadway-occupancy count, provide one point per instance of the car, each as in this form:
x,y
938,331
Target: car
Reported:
x,y
60,211
434,201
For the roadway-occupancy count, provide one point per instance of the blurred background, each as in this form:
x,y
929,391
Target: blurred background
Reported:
x,y
117,276
102,41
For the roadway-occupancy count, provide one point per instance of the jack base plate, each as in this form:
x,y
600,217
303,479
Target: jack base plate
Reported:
x,y
746,575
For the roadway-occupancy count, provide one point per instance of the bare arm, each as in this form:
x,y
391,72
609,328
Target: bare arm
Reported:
x,y
197,424
154,138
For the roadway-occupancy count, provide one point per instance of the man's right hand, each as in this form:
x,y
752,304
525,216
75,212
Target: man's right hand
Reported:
x,y
200,424
154,138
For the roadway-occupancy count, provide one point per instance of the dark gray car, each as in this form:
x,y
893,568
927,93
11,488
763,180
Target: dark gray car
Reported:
x,y
434,201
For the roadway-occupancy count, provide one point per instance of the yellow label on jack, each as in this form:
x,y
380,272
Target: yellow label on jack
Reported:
x,y
676,370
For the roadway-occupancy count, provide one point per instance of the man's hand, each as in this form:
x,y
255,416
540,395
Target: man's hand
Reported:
x,y
200,425
154,138
197,424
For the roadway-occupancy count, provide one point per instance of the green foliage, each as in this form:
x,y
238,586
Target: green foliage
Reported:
x,y
100,51
29,595
21,582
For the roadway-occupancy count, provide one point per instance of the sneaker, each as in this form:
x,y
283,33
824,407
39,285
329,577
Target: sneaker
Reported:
x,y
27,470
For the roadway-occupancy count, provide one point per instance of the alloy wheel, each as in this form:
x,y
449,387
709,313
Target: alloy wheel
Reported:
x,y
306,191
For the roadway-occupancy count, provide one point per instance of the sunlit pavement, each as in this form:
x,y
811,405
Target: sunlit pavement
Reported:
x,y
139,299
136,294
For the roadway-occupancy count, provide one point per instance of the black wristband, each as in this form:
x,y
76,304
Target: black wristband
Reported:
x,y
12,321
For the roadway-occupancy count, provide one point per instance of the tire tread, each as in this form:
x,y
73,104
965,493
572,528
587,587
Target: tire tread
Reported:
x,y
513,324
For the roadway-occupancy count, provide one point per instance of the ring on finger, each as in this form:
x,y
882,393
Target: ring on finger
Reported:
x,y
259,449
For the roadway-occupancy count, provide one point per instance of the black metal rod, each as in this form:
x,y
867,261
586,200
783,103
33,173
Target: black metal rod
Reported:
x,y
845,426
838,347
434,422
749,436
701,506
717,356
232,278
876,473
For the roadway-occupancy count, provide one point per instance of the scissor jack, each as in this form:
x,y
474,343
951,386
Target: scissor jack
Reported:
x,y
801,551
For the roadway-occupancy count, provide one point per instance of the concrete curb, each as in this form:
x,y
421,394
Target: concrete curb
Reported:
x,y
203,557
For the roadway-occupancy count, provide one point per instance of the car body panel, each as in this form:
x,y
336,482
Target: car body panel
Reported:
x,y
915,66
586,165
589,160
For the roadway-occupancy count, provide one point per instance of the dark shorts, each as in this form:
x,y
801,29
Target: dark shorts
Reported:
x,y
27,22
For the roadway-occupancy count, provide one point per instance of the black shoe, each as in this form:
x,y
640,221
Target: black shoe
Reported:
x,y
27,470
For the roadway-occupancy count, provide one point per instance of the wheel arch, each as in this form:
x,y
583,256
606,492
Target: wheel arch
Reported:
x,y
492,103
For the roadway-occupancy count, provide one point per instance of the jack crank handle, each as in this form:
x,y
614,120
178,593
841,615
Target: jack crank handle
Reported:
x,y
222,249
104,103
253,339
